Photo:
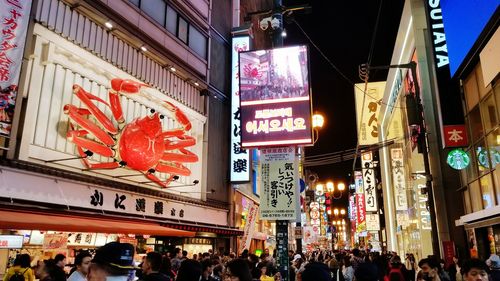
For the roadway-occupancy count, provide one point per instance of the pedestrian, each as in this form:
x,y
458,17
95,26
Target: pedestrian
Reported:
x,y
396,270
190,270
430,269
411,267
347,270
21,270
454,270
494,264
60,274
151,268
475,270
176,260
237,270
82,263
112,261
316,271
166,267
206,270
45,270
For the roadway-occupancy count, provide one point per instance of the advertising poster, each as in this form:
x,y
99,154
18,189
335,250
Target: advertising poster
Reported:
x,y
240,158
249,229
367,109
275,99
55,241
360,202
14,23
372,222
280,182
399,179
369,183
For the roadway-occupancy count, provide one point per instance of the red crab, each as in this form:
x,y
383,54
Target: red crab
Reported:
x,y
141,145
252,71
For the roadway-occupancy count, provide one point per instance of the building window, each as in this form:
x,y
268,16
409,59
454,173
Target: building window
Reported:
x,y
182,31
155,9
467,204
476,127
171,23
489,112
487,192
471,94
197,42
135,2
475,196
496,179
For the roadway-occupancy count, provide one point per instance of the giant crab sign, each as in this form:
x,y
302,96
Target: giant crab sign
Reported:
x,y
141,145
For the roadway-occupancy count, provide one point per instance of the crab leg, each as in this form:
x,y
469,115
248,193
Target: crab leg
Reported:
x,y
87,98
185,156
76,115
174,169
179,115
183,141
73,136
116,107
119,85
88,164
161,183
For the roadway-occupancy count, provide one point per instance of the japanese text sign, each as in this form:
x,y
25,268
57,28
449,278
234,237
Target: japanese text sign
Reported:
x,y
369,183
11,241
275,99
246,240
455,136
372,222
367,111
280,184
399,179
14,16
240,158
360,202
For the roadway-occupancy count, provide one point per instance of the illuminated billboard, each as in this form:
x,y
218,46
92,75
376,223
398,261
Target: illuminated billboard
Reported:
x,y
275,99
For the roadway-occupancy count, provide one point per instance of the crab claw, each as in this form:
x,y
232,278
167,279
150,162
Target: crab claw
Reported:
x,y
179,115
126,85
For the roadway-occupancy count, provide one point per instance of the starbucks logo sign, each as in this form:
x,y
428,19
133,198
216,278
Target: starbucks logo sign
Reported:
x,y
458,159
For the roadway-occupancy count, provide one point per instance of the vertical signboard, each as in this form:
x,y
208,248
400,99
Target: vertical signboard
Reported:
x,y
240,158
399,179
372,222
275,97
369,182
14,16
249,226
360,202
280,182
367,109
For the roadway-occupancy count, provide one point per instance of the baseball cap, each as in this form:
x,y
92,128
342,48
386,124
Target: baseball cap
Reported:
x,y
115,254
296,257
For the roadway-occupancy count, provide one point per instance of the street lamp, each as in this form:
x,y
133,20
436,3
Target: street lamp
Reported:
x,y
317,122
330,188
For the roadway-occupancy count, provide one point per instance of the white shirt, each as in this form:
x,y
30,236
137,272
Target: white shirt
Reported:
x,y
76,276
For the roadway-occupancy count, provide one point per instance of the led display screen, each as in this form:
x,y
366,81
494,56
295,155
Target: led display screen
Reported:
x,y
463,22
275,100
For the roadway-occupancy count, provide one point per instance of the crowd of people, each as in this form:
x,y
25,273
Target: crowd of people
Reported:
x,y
115,262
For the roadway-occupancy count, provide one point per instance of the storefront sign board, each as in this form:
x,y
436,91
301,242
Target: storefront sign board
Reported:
x,y
455,136
399,179
367,111
280,184
11,241
369,182
360,202
372,222
55,241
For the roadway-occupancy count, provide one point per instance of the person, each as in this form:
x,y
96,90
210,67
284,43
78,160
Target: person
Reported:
x,y
266,273
429,268
475,270
21,268
237,270
493,263
151,268
206,270
410,267
190,270
347,270
366,271
454,270
166,268
316,271
177,259
217,273
60,274
396,269
45,270
114,261
82,263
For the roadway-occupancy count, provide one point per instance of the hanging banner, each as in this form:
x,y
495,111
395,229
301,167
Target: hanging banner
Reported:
x,y
367,109
240,158
14,23
360,202
249,226
280,184
399,179
372,222
369,182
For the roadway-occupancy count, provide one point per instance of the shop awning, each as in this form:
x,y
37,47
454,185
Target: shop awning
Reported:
x,y
74,223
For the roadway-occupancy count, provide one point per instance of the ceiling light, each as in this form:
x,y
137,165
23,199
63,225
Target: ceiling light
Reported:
x,y
196,84
108,24
173,69
143,48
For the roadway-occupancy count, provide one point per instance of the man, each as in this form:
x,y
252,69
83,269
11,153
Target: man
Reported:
x,y
82,263
176,260
59,274
475,270
112,262
60,260
151,268
206,270
494,264
430,269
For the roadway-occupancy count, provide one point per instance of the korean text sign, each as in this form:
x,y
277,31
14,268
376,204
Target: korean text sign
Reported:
x,y
14,16
275,100
280,186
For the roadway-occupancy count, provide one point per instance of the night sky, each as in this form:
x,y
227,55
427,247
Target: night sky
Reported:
x,y
343,32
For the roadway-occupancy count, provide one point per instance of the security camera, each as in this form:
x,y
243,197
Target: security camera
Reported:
x,y
275,23
264,23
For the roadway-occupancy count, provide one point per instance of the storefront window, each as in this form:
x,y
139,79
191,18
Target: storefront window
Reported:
x,y
476,127
487,192
467,204
496,179
482,157
489,111
475,196
471,94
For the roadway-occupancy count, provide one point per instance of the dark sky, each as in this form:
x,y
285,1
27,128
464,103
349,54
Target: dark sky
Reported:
x,y
343,32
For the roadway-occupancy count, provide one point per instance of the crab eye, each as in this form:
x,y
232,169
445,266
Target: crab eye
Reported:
x,y
152,110
162,116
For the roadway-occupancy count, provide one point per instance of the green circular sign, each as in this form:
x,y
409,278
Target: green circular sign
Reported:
x,y
458,159
483,157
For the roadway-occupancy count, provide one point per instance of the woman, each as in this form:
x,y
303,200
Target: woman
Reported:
x,y
266,273
21,266
347,269
237,270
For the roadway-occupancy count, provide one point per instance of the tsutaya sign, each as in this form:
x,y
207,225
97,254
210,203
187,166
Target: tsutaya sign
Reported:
x,y
439,38
240,158
367,111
